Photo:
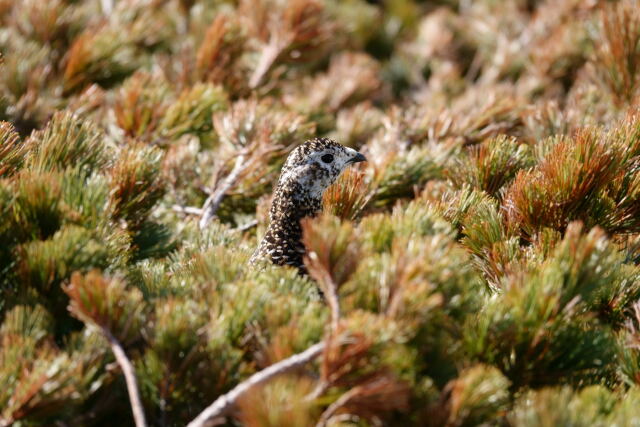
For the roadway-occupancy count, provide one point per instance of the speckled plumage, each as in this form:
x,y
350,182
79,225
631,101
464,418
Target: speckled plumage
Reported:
x,y
304,177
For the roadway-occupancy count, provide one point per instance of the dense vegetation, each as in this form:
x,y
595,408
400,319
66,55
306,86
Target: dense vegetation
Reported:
x,y
481,268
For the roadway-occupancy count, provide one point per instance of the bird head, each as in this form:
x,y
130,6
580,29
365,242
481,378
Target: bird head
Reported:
x,y
313,166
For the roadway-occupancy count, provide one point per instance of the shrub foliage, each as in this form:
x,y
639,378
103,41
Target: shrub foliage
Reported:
x,y
480,269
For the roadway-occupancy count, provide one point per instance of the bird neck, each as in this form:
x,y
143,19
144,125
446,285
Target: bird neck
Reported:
x,y
292,202
282,243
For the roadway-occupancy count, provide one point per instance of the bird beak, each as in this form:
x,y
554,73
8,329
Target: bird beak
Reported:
x,y
357,159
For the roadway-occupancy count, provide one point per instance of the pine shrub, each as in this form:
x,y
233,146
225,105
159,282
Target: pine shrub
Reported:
x,y
481,268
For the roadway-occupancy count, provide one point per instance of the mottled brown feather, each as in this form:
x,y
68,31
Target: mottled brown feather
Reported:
x,y
303,179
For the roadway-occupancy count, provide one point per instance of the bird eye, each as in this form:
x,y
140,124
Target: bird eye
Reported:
x,y
327,158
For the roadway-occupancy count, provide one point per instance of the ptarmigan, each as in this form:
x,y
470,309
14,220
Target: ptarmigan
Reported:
x,y
308,171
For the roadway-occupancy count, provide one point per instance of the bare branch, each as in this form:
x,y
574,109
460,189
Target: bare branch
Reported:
x,y
226,402
107,6
334,304
320,388
188,210
212,204
129,376
248,226
335,406
320,273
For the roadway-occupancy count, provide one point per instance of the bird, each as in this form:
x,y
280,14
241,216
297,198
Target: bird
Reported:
x,y
308,171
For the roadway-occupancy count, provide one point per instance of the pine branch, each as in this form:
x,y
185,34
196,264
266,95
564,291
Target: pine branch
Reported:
x,y
106,304
129,376
382,392
332,257
213,202
327,285
223,404
334,305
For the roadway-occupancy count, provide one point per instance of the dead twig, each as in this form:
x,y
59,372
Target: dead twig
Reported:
x,y
187,210
248,226
334,304
223,404
107,6
335,406
213,202
129,376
